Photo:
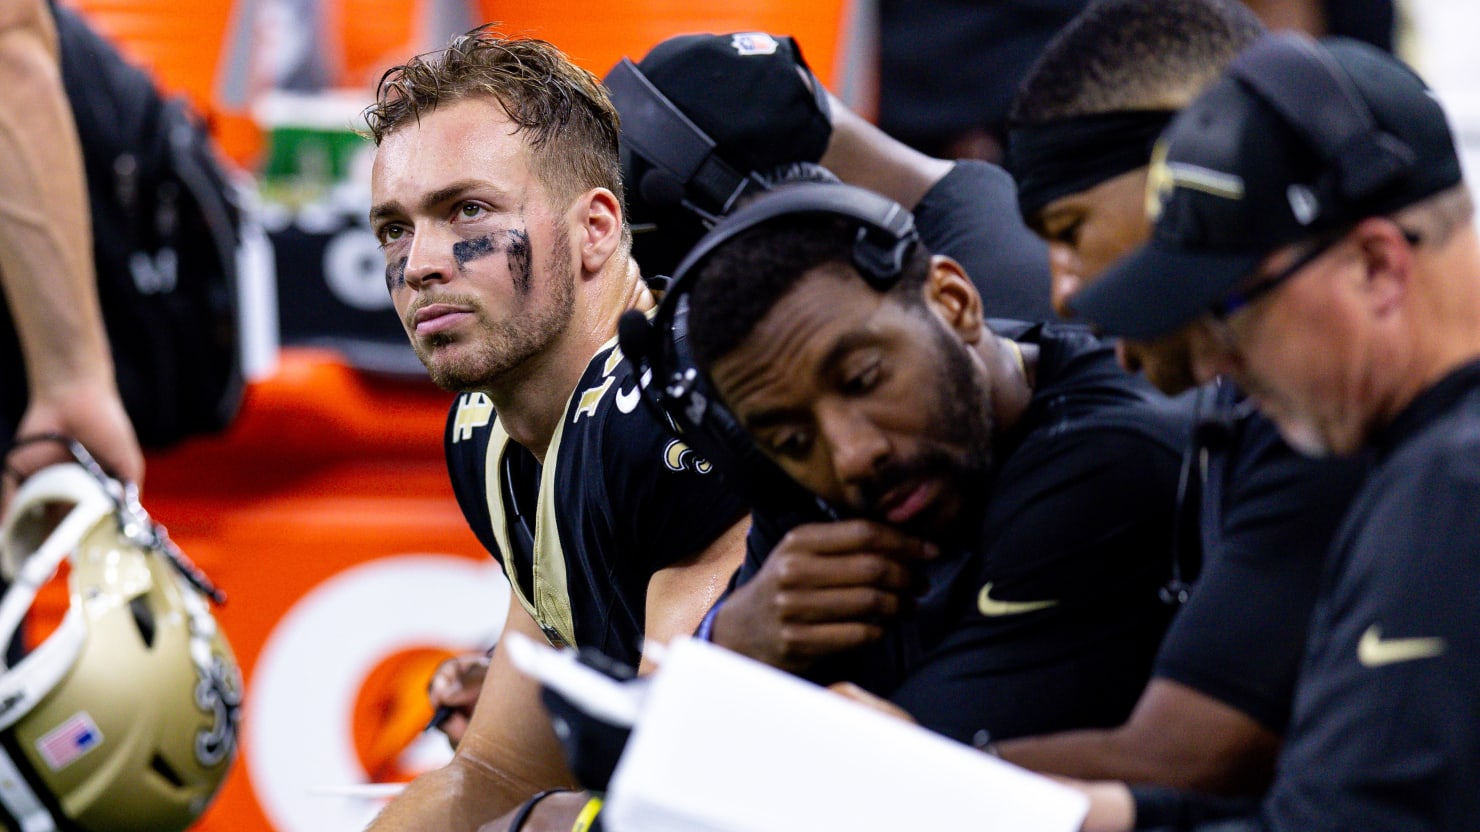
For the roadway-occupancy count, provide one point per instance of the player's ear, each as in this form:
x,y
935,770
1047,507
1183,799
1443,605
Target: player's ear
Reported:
x,y
598,215
954,298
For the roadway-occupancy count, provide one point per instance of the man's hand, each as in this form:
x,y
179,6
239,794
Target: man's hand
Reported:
x,y
826,587
873,702
456,685
85,410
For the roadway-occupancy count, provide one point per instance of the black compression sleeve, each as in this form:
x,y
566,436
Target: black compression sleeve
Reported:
x,y
1159,807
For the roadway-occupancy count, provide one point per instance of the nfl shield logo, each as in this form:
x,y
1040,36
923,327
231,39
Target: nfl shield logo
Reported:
x,y
753,43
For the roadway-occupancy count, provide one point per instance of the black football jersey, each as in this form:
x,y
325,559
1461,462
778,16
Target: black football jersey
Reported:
x,y
619,498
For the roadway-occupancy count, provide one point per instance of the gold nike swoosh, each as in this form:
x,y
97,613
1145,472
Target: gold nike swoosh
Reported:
x,y
1373,651
992,608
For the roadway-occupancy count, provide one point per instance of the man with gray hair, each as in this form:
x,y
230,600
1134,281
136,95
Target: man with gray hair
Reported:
x,y
1313,224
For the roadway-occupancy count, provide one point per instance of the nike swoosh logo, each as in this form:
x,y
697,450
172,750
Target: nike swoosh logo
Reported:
x,y
992,608
1374,651
627,401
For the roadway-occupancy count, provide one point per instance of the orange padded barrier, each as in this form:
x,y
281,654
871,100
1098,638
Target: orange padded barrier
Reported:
x,y
597,41
181,44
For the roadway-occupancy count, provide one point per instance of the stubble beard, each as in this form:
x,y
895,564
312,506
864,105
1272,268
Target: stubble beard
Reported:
x,y
958,451
968,423
480,359
1304,437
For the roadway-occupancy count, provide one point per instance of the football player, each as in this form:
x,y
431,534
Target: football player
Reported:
x,y
497,198
981,517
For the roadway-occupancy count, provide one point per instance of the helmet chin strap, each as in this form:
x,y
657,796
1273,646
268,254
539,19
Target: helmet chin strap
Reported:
x,y
20,801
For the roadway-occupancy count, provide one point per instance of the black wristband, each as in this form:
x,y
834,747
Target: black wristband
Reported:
x,y
527,807
1162,807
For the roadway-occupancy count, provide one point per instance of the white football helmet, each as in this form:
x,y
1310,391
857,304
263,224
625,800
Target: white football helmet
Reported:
x,y
125,717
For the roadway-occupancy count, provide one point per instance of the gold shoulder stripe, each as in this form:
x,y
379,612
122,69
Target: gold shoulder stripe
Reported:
x,y
613,358
551,588
590,398
474,410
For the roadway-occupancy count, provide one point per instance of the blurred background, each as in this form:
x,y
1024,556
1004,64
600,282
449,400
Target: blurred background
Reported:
x,y
323,509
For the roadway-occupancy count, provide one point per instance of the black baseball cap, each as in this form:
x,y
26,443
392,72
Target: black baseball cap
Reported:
x,y
744,89
702,115
1298,139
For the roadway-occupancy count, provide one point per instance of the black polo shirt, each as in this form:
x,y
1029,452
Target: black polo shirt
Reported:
x,y
1267,518
1386,727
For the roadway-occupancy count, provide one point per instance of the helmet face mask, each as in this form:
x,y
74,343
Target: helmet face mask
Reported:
x,y
126,716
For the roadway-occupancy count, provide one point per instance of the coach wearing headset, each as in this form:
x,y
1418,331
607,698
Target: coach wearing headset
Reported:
x,y
987,515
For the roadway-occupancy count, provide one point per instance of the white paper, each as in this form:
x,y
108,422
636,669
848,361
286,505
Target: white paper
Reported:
x,y
725,744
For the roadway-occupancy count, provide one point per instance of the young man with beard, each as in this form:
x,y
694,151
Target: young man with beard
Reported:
x,y
1314,229
1000,502
496,195
1220,697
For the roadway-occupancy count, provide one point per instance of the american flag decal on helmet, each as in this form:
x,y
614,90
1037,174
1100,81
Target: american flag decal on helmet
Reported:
x,y
62,745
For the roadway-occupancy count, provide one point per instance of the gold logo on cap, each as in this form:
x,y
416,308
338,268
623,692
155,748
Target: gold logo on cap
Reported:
x,y
1163,177
1159,181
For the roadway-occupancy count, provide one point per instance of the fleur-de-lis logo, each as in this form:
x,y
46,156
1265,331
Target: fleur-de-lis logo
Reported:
x,y
1159,181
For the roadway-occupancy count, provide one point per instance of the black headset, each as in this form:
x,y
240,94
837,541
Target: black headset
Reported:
x,y
1316,98
673,382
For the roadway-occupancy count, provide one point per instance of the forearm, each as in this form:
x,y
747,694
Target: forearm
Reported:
x,y
1306,16
859,153
1177,737
459,797
558,812
1083,755
45,233
508,753
1114,755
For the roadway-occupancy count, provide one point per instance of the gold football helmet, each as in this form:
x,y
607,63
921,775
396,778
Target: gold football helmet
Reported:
x,y
124,717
